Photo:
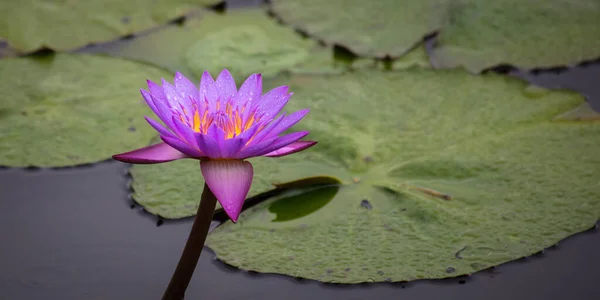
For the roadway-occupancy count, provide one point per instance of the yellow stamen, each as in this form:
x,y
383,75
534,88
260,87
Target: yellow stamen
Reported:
x,y
196,124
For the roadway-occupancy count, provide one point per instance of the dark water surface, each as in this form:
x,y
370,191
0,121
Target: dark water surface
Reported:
x,y
71,234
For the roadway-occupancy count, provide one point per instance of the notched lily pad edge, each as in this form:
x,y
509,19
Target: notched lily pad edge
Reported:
x,y
490,271
502,68
323,42
429,41
179,20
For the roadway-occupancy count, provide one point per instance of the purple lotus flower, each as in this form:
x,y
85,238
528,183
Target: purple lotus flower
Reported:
x,y
220,126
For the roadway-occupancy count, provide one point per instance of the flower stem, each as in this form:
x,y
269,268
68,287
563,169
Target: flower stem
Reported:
x,y
193,248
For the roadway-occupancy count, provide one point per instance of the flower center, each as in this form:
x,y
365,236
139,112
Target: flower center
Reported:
x,y
228,119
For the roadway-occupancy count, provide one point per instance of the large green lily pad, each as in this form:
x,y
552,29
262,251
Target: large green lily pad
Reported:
x,y
442,174
367,28
524,33
62,25
67,109
474,34
243,41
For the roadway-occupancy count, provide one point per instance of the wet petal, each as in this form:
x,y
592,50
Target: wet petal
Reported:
x,y
163,111
230,147
157,153
173,98
215,132
226,85
208,145
208,90
279,143
249,93
148,98
186,133
262,134
253,148
155,89
160,128
291,148
230,181
182,147
285,124
273,102
186,90
247,134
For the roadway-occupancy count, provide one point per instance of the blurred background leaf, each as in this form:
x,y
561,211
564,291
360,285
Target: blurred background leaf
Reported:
x,y
69,109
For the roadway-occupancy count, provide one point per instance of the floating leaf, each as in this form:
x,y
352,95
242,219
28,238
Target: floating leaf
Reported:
x,y
243,41
474,34
523,33
440,170
416,57
65,25
63,110
326,61
584,112
6,50
367,28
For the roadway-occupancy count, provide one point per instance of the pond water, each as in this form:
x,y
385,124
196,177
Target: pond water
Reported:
x,y
73,234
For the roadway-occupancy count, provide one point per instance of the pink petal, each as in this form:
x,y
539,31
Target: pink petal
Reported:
x,y
230,181
208,145
148,98
291,148
155,89
182,147
285,124
273,102
162,110
226,85
228,148
215,132
278,143
231,146
186,89
249,94
208,90
253,148
186,133
158,127
249,133
157,153
173,98
262,134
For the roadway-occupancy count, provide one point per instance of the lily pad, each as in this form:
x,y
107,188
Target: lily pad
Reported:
x,y
65,25
243,41
474,34
524,33
442,174
415,58
368,28
328,61
68,109
584,112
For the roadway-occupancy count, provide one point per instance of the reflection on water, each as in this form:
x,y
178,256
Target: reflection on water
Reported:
x,y
302,202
